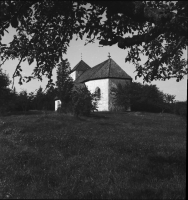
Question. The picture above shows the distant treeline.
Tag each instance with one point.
(77, 101)
(145, 98)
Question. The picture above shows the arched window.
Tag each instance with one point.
(98, 92)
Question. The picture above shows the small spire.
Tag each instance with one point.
(109, 55)
(81, 56)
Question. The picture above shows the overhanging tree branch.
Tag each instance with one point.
(170, 54)
(166, 55)
(135, 40)
(152, 23)
(34, 37)
(137, 11)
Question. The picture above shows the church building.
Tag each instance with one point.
(101, 78)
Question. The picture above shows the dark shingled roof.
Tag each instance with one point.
(107, 69)
(56, 98)
(81, 66)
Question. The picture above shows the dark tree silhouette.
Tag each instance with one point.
(143, 98)
(64, 82)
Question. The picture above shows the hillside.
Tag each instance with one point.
(108, 155)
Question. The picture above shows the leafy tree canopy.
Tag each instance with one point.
(156, 29)
(6, 94)
(4, 80)
(64, 82)
(142, 97)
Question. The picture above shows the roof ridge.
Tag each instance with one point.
(109, 68)
(81, 74)
(100, 66)
(93, 70)
(76, 65)
(122, 69)
(81, 61)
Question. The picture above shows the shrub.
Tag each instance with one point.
(180, 108)
(66, 108)
(121, 96)
(144, 98)
(83, 101)
(64, 82)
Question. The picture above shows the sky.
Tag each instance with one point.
(92, 54)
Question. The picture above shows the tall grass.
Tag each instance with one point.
(108, 155)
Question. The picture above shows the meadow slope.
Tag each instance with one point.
(108, 155)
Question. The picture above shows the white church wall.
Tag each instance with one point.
(103, 85)
(73, 75)
(76, 74)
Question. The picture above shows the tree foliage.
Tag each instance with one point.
(23, 101)
(155, 29)
(180, 108)
(4, 81)
(50, 95)
(83, 101)
(38, 99)
(7, 95)
(64, 82)
(42, 100)
(122, 96)
(143, 98)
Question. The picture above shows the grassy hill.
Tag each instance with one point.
(108, 155)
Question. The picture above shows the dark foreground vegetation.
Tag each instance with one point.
(132, 155)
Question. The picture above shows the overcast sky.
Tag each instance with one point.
(92, 54)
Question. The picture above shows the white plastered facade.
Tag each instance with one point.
(103, 84)
(73, 75)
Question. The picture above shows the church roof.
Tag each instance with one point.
(107, 69)
(56, 98)
(81, 66)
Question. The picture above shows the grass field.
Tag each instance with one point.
(108, 155)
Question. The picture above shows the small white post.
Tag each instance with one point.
(57, 104)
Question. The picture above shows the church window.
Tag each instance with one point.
(98, 92)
